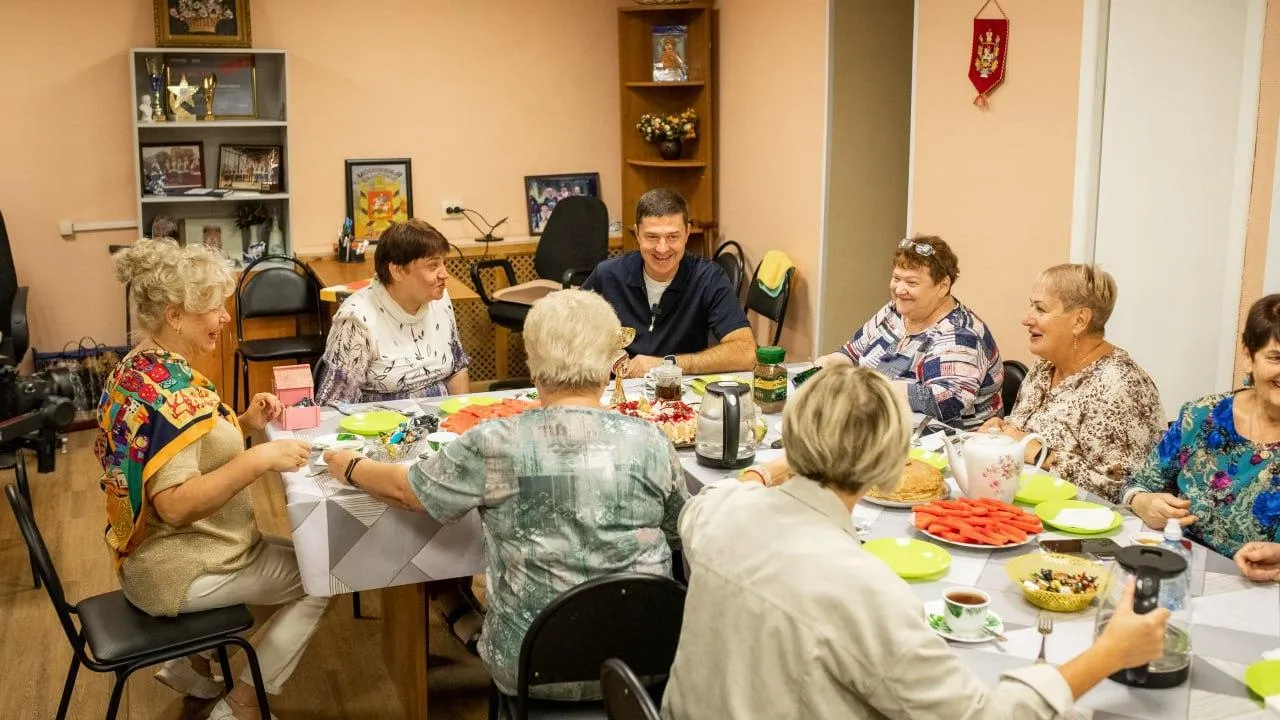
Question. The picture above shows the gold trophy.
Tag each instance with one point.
(626, 336)
(182, 95)
(155, 78)
(208, 85)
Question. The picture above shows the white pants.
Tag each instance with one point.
(273, 579)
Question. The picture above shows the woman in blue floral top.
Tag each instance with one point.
(1217, 470)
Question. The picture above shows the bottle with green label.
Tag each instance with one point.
(769, 388)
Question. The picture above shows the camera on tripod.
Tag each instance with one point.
(33, 408)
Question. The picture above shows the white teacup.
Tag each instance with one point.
(1150, 539)
(437, 440)
(966, 609)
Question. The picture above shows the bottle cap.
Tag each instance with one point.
(770, 355)
(1173, 529)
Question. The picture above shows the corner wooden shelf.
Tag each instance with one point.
(692, 176)
(233, 197)
(668, 163)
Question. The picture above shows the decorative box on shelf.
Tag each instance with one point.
(293, 386)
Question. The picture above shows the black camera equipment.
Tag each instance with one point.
(33, 408)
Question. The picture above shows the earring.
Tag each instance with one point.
(1075, 344)
(1248, 379)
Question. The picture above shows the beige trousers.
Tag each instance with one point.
(273, 579)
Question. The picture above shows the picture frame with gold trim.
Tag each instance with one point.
(202, 23)
(379, 192)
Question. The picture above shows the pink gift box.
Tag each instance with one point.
(292, 384)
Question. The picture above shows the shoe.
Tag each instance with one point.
(472, 643)
(222, 711)
(181, 677)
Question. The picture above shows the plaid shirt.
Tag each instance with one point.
(953, 368)
(565, 495)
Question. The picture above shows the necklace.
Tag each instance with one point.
(1061, 374)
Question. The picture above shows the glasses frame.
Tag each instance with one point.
(921, 249)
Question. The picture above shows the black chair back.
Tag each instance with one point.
(576, 238)
(290, 288)
(773, 308)
(625, 698)
(13, 301)
(635, 617)
(1014, 373)
(730, 258)
(43, 564)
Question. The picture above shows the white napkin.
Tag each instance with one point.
(1085, 518)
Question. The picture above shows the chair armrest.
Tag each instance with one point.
(574, 278)
(477, 280)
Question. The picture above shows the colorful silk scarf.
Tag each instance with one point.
(154, 405)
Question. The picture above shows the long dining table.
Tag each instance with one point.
(347, 541)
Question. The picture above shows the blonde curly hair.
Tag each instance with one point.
(160, 274)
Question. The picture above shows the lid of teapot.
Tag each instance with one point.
(728, 387)
(1148, 559)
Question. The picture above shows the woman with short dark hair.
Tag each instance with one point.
(397, 338)
(1217, 470)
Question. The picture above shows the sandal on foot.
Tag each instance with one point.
(472, 644)
(223, 711)
(181, 677)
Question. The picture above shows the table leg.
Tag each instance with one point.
(404, 645)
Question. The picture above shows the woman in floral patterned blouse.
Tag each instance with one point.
(1217, 471)
(1098, 411)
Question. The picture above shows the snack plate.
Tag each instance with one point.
(900, 504)
(978, 546)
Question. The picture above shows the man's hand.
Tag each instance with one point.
(640, 365)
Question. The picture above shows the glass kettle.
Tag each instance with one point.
(1162, 580)
(726, 426)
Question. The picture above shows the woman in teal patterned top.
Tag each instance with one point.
(566, 493)
(1217, 470)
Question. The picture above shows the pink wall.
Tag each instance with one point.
(997, 185)
(479, 94)
(772, 121)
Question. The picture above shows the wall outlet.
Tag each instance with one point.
(455, 206)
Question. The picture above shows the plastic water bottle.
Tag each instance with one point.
(1171, 595)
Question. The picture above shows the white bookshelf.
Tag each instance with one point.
(268, 126)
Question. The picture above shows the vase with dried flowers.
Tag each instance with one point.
(669, 131)
(250, 217)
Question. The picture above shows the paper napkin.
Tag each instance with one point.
(1085, 518)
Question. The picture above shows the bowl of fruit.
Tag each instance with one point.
(1062, 583)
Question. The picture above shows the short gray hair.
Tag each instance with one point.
(571, 338)
(1083, 286)
(847, 429)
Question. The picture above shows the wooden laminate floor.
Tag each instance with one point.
(341, 676)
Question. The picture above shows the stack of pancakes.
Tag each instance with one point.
(921, 482)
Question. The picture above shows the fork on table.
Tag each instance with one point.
(1044, 626)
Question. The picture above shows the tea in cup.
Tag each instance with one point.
(1150, 539)
(966, 609)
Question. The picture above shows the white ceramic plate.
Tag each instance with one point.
(946, 495)
(934, 614)
(977, 546)
(331, 442)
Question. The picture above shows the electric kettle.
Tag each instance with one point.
(726, 426)
(1162, 580)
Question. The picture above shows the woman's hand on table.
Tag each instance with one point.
(1130, 639)
(1259, 561)
(282, 455)
(1156, 509)
(264, 408)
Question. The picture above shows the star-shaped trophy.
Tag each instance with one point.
(183, 94)
(626, 336)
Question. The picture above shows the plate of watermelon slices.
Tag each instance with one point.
(986, 523)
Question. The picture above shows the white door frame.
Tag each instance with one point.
(1271, 271)
(1084, 215)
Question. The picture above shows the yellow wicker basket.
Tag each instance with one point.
(1023, 566)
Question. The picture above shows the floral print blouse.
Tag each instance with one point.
(1100, 422)
(1233, 483)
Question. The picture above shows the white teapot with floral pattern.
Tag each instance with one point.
(991, 466)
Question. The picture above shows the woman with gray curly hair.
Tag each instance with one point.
(566, 493)
(780, 581)
(176, 476)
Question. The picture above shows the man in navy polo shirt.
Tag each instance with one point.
(676, 303)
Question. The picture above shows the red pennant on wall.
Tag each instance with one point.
(990, 54)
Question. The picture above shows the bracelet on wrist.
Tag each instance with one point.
(351, 466)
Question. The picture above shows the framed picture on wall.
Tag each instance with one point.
(171, 166)
(542, 192)
(202, 23)
(236, 94)
(251, 167)
(379, 192)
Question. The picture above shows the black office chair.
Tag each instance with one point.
(625, 697)
(13, 304)
(1014, 373)
(287, 287)
(733, 263)
(634, 617)
(511, 384)
(767, 306)
(122, 639)
(575, 240)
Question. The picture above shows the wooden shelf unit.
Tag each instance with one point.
(642, 167)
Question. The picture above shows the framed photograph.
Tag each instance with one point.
(202, 23)
(219, 233)
(236, 96)
(669, 63)
(379, 192)
(542, 192)
(251, 167)
(179, 166)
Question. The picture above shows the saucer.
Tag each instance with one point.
(934, 615)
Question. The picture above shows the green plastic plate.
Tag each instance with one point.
(1037, 486)
(454, 404)
(1047, 511)
(374, 422)
(928, 457)
(1263, 678)
(910, 558)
